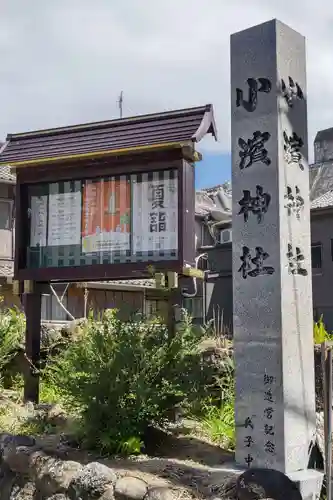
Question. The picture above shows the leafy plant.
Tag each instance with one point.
(320, 333)
(121, 377)
(48, 391)
(12, 326)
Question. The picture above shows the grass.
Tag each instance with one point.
(218, 422)
(218, 425)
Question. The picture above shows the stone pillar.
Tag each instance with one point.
(272, 291)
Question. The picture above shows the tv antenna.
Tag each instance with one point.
(120, 104)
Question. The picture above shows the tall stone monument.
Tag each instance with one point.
(272, 291)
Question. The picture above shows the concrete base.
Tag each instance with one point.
(309, 482)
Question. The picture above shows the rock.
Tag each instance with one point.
(7, 440)
(43, 407)
(7, 482)
(57, 416)
(30, 409)
(26, 491)
(162, 493)
(16, 451)
(129, 487)
(37, 463)
(108, 494)
(50, 335)
(40, 412)
(56, 475)
(91, 482)
(266, 483)
(50, 443)
(228, 489)
(18, 458)
(8, 395)
(59, 496)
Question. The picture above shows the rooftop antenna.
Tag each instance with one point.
(120, 104)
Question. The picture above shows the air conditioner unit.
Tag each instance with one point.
(225, 236)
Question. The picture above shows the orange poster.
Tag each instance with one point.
(106, 216)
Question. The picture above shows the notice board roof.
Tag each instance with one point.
(121, 136)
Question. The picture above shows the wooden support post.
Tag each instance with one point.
(33, 303)
(174, 304)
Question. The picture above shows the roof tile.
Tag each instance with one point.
(323, 201)
(147, 283)
(6, 175)
(178, 126)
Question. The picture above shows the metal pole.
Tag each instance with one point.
(120, 103)
(329, 424)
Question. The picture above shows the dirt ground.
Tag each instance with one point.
(179, 459)
(181, 456)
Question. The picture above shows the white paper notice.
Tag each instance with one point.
(64, 219)
(38, 221)
(155, 215)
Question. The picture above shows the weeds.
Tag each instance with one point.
(320, 334)
(218, 422)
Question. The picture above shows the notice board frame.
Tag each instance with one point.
(94, 169)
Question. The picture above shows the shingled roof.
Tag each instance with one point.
(323, 201)
(321, 185)
(157, 130)
(324, 135)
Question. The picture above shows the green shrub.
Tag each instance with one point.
(12, 326)
(320, 333)
(121, 377)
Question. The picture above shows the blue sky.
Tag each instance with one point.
(215, 168)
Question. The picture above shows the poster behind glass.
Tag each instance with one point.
(106, 221)
(155, 217)
(106, 214)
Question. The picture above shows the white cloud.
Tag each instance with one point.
(65, 61)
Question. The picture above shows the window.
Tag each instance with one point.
(316, 255)
(5, 214)
(6, 232)
(194, 306)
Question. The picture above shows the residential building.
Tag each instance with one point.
(7, 226)
(213, 243)
(129, 297)
(321, 193)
